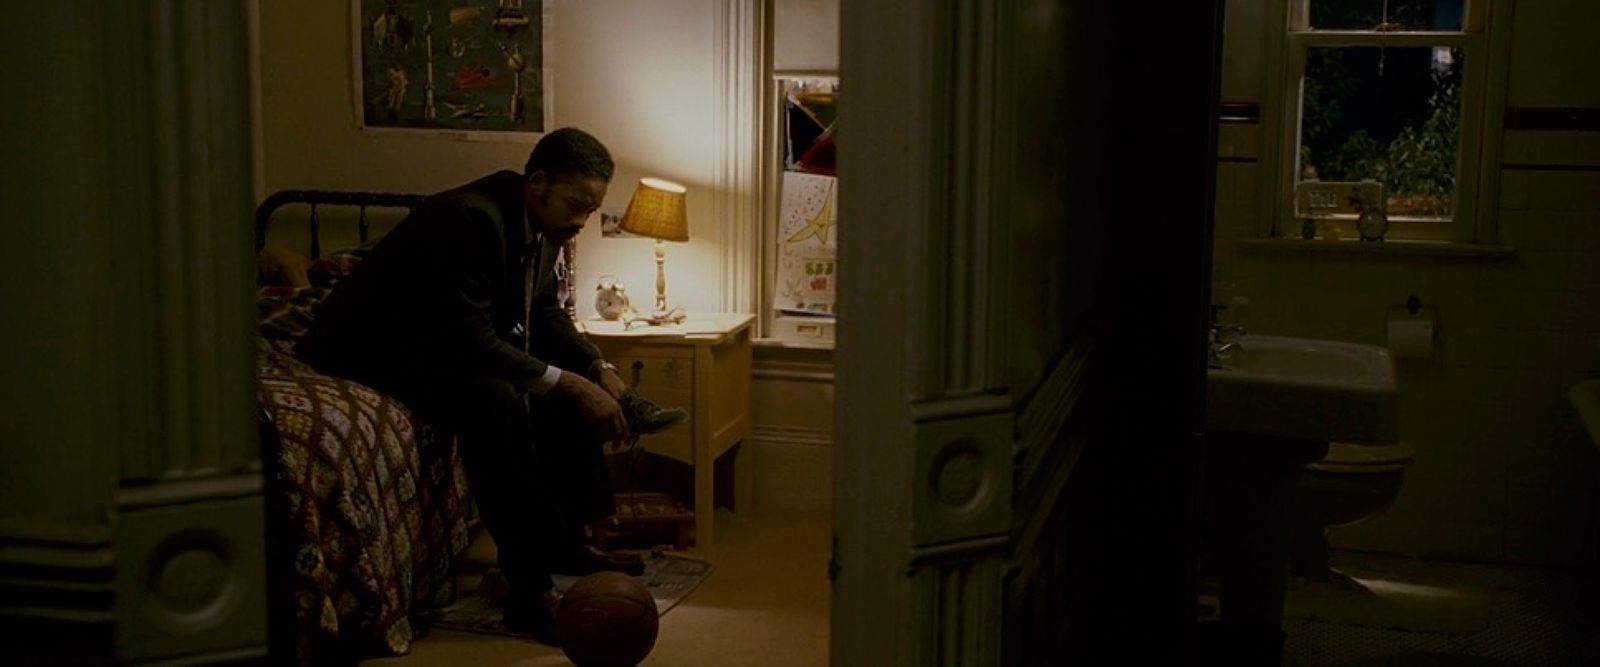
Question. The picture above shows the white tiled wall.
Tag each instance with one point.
(1503, 469)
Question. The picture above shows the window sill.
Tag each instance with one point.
(801, 332)
(1355, 248)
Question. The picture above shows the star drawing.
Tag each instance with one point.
(818, 225)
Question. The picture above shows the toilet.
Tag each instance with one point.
(1350, 484)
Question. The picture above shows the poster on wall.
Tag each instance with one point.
(807, 244)
(474, 68)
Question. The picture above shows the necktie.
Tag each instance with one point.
(530, 263)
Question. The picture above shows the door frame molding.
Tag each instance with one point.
(925, 424)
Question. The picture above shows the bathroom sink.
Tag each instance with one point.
(1585, 397)
(1304, 388)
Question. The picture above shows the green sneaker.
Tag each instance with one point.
(645, 417)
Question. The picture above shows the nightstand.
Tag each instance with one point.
(702, 365)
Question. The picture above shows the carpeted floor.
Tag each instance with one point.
(766, 606)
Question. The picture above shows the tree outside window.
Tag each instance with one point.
(1390, 91)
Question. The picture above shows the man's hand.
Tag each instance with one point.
(597, 408)
(612, 383)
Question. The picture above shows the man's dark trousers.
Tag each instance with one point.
(537, 478)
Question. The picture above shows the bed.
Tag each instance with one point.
(369, 505)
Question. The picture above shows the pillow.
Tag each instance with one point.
(285, 313)
(328, 271)
(281, 267)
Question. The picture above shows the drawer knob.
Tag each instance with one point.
(638, 371)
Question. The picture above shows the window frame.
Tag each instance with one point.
(1484, 45)
(775, 327)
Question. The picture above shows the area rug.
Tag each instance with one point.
(1386, 601)
(669, 577)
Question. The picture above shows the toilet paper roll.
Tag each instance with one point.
(1411, 336)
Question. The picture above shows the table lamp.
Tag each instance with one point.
(657, 210)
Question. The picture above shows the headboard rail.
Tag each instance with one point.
(566, 269)
(360, 200)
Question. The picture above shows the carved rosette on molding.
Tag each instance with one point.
(191, 579)
(961, 519)
(963, 481)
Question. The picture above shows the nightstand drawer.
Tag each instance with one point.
(669, 381)
(658, 378)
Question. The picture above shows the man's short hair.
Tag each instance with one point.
(570, 152)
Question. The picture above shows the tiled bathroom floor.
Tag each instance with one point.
(1534, 617)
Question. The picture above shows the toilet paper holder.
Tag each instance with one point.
(1416, 313)
(1414, 306)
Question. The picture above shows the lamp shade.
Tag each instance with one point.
(657, 210)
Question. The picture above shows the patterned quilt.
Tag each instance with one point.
(378, 504)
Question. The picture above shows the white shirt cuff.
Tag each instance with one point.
(546, 382)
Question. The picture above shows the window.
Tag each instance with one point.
(801, 241)
(1390, 92)
(799, 231)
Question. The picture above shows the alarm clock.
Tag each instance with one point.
(610, 298)
(1372, 224)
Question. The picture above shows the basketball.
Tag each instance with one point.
(607, 619)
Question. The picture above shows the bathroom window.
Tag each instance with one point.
(1392, 92)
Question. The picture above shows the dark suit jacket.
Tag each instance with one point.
(440, 295)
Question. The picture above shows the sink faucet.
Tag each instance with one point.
(1218, 340)
(1218, 349)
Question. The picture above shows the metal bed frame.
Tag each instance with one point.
(363, 201)
(360, 200)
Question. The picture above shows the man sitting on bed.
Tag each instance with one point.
(454, 314)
